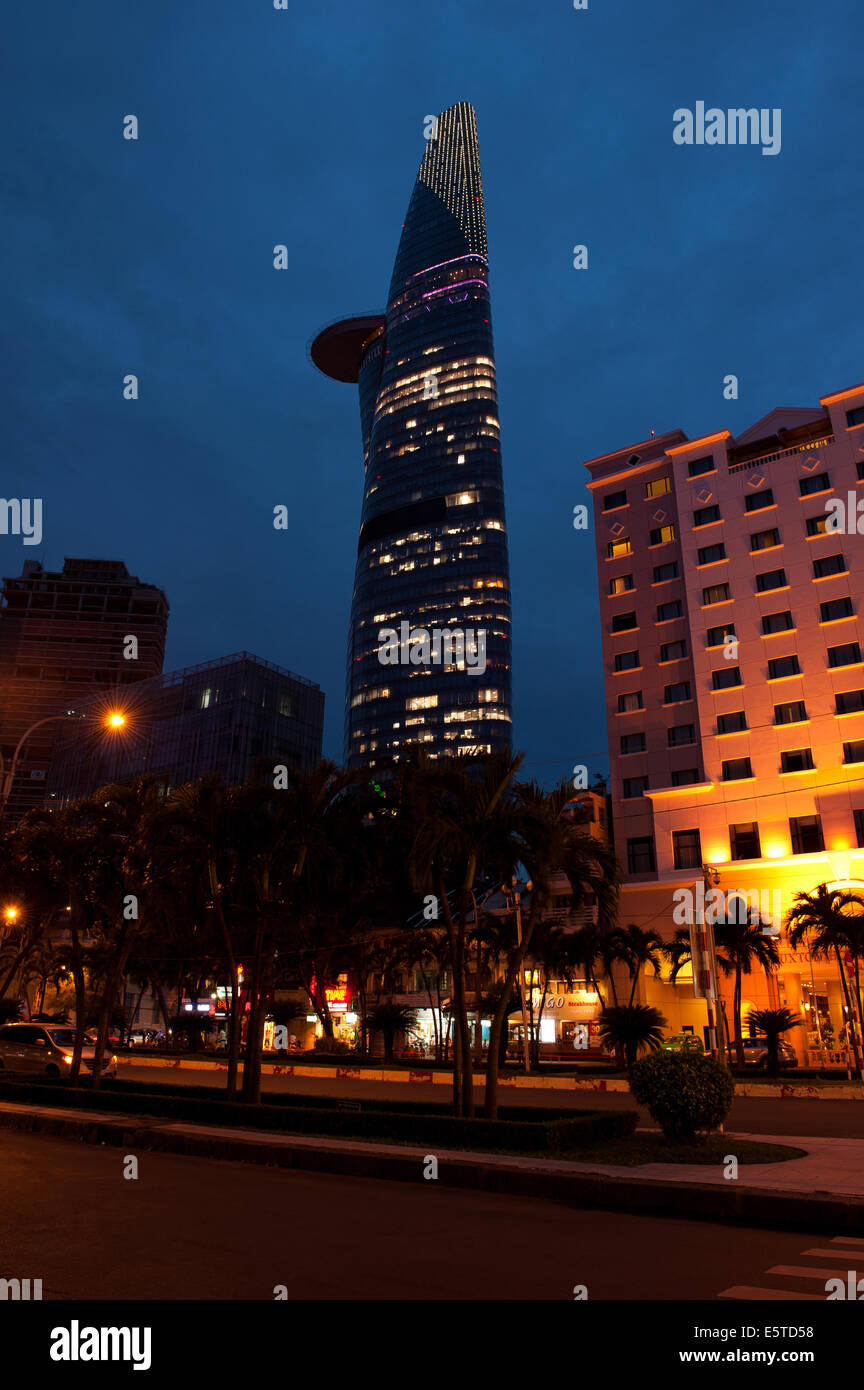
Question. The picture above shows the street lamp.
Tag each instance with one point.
(115, 720)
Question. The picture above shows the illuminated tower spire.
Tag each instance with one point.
(432, 555)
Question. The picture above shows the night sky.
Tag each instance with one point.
(305, 127)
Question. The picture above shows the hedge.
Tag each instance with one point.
(536, 1134)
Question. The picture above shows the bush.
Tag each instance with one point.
(687, 1094)
(332, 1046)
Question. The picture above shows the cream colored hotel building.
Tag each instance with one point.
(733, 652)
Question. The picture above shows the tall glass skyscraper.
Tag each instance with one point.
(429, 645)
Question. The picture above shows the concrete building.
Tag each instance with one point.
(732, 648)
(219, 716)
(64, 635)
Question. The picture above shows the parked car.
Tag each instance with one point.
(144, 1037)
(756, 1054)
(682, 1042)
(47, 1048)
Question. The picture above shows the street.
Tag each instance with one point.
(839, 1119)
(190, 1228)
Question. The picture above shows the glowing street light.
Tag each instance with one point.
(116, 720)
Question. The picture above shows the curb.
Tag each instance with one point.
(817, 1213)
(598, 1084)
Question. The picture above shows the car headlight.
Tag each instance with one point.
(68, 1058)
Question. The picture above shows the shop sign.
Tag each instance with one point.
(581, 1005)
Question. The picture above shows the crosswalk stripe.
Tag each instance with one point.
(802, 1272)
(832, 1254)
(754, 1294)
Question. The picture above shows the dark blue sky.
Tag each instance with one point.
(305, 127)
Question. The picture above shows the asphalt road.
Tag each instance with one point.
(190, 1228)
(839, 1119)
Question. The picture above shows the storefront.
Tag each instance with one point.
(568, 1018)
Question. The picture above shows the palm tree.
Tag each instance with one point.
(638, 948)
(390, 1019)
(548, 843)
(631, 1029)
(740, 946)
(822, 920)
(466, 827)
(773, 1023)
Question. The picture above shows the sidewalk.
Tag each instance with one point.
(823, 1191)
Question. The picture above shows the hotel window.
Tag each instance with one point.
(726, 677)
(860, 468)
(673, 651)
(635, 786)
(422, 702)
(664, 572)
(849, 654)
(719, 636)
(685, 777)
(696, 467)
(854, 752)
(622, 584)
(632, 743)
(640, 855)
(764, 540)
(817, 482)
(744, 841)
(758, 501)
(797, 760)
(667, 611)
(829, 564)
(681, 734)
(613, 500)
(632, 700)
(836, 608)
(715, 593)
(710, 554)
(677, 693)
(806, 834)
(735, 769)
(703, 516)
(859, 827)
(792, 712)
(777, 622)
(781, 666)
(770, 579)
(657, 487)
(619, 547)
(661, 535)
(732, 723)
(855, 417)
(626, 661)
(622, 621)
(686, 849)
(849, 701)
(818, 525)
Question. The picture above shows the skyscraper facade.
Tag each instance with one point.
(63, 636)
(429, 644)
(733, 651)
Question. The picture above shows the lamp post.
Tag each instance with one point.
(115, 721)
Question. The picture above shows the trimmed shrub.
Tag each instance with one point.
(687, 1093)
(537, 1135)
(332, 1047)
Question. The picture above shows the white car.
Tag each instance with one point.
(47, 1048)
